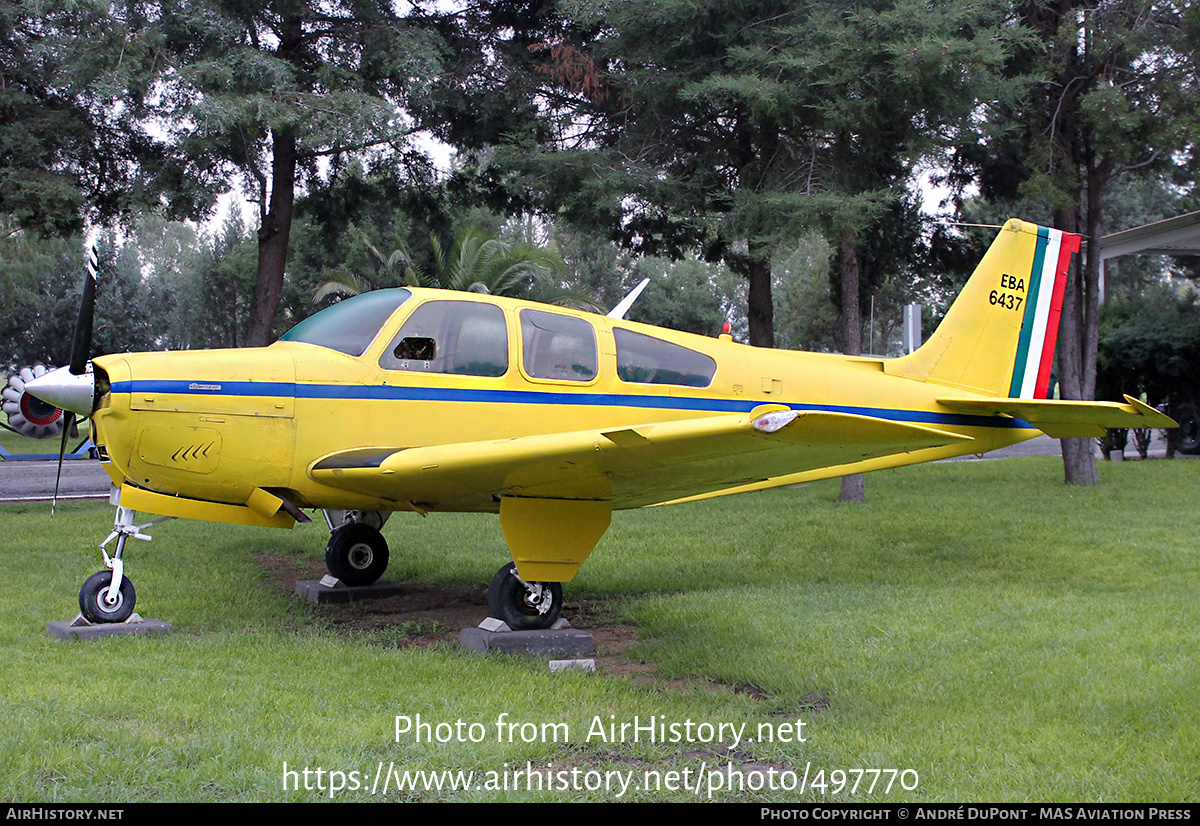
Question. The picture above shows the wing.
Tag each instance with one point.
(628, 466)
(1065, 419)
(1060, 419)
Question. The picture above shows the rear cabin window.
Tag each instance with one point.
(462, 338)
(558, 347)
(643, 359)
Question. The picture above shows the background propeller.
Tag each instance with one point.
(81, 347)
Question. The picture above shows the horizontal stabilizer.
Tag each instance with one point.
(1064, 419)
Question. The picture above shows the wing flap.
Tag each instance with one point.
(630, 466)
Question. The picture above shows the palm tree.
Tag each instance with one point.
(397, 269)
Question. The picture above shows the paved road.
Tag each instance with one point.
(1045, 446)
(30, 481)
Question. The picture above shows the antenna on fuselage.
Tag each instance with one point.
(625, 303)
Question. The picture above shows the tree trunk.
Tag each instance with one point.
(851, 311)
(273, 239)
(1079, 457)
(853, 487)
(761, 308)
(276, 225)
(1099, 176)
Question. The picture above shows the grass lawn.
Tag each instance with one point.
(980, 626)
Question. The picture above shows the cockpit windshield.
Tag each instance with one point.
(350, 325)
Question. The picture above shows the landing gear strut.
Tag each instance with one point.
(525, 606)
(108, 596)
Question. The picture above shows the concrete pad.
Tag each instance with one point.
(332, 591)
(80, 628)
(560, 642)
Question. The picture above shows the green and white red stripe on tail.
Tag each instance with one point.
(1043, 307)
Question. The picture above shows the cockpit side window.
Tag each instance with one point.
(350, 325)
(463, 338)
(643, 359)
(558, 347)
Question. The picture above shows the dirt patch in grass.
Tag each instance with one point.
(286, 571)
(425, 615)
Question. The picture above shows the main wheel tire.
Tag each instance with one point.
(511, 601)
(357, 554)
(95, 608)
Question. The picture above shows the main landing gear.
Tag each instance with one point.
(357, 553)
(525, 606)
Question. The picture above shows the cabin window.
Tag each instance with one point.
(463, 338)
(559, 347)
(643, 359)
(350, 325)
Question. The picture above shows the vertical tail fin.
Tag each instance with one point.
(999, 335)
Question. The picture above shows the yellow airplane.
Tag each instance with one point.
(424, 400)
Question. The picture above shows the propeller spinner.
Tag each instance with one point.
(62, 388)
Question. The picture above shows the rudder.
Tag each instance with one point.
(999, 335)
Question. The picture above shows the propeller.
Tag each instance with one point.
(81, 346)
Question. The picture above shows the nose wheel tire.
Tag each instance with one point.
(98, 606)
(525, 606)
(357, 554)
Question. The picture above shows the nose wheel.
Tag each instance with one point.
(108, 596)
(99, 602)
(357, 554)
(525, 606)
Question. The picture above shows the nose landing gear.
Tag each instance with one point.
(108, 596)
(99, 604)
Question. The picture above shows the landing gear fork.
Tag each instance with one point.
(105, 597)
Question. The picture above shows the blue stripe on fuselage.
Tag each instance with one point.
(433, 394)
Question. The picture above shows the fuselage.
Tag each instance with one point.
(448, 368)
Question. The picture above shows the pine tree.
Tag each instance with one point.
(1108, 94)
(726, 129)
(267, 89)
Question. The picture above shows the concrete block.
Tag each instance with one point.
(551, 643)
(332, 591)
(80, 628)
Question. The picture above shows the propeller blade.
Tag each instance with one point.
(68, 421)
(81, 345)
(81, 350)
